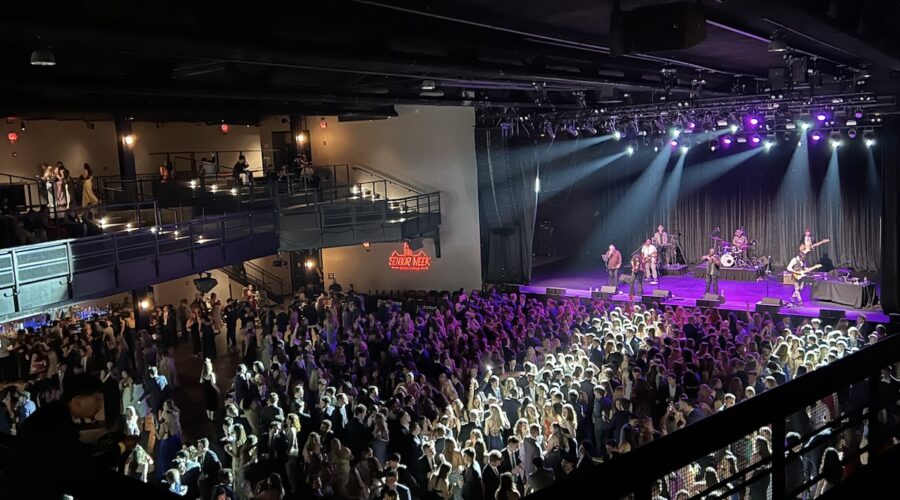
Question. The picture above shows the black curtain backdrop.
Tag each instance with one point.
(594, 194)
(507, 204)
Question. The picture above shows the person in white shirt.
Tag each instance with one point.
(661, 241)
(649, 255)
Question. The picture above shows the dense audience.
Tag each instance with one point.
(478, 395)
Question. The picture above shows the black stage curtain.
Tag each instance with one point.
(507, 205)
(595, 194)
(890, 269)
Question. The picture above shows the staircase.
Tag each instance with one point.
(267, 283)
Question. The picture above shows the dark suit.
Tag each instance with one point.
(473, 489)
(268, 415)
(357, 436)
(491, 481)
(403, 493)
(540, 479)
(209, 472)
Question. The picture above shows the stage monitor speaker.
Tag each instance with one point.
(606, 292)
(769, 304)
(556, 292)
(831, 314)
(710, 300)
(661, 294)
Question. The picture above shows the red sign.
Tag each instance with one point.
(409, 260)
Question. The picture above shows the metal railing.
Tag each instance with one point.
(844, 415)
(36, 276)
(250, 273)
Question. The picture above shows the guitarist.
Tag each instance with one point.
(798, 268)
(809, 242)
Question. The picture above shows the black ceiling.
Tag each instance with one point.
(204, 61)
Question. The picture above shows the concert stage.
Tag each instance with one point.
(686, 289)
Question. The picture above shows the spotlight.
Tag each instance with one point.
(629, 150)
(821, 117)
(768, 145)
(851, 133)
(42, 57)
(617, 135)
(675, 132)
(869, 137)
(550, 132)
(571, 130)
(804, 125)
(721, 122)
(656, 149)
(858, 114)
(674, 143)
(727, 140)
(835, 144)
(713, 144)
(816, 136)
(835, 139)
(754, 121)
(755, 139)
(684, 150)
(128, 140)
(734, 128)
(428, 85)
(589, 129)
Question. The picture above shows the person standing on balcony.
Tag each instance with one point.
(240, 169)
(88, 197)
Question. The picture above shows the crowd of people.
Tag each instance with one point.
(479, 395)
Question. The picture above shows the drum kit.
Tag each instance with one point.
(738, 255)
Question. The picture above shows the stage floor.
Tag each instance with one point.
(686, 289)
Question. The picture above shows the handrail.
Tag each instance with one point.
(636, 470)
(36, 178)
(387, 178)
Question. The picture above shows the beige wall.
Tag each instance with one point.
(74, 143)
(182, 136)
(431, 148)
(267, 125)
(49, 141)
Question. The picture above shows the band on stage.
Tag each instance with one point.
(662, 250)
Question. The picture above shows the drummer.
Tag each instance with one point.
(739, 240)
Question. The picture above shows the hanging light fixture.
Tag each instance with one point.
(42, 56)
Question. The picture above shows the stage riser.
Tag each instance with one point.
(730, 273)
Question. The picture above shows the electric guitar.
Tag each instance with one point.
(798, 275)
(814, 245)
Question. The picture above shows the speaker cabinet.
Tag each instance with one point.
(710, 300)
(769, 304)
(831, 314)
(606, 292)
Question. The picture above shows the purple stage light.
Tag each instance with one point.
(821, 117)
(754, 120)
(691, 125)
(673, 142)
(816, 136)
(727, 141)
(755, 139)
(858, 114)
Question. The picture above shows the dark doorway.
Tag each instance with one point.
(283, 149)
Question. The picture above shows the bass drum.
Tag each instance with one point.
(727, 260)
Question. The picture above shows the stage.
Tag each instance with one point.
(686, 289)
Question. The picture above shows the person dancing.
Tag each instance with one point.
(712, 271)
(613, 260)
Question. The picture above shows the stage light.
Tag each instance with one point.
(734, 128)
(233, 191)
(684, 150)
(309, 263)
(589, 129)
(428, 85)
(821, 117)
(629, 150)
(835, 144)
(128, 140)
(721, 122)
(617, 135)
(858, 113)
(571, 130)
(537, 184)
(656, 149)
(870, 143)
(816, 136)
(713, 144)
(674, 143)
(676, 132)
(42, 57)
(768, 145)
(193, 183)
(804, 125)
(754, 121)
(755, 139)
(727, 140)
(851, 133)
(869, 136)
